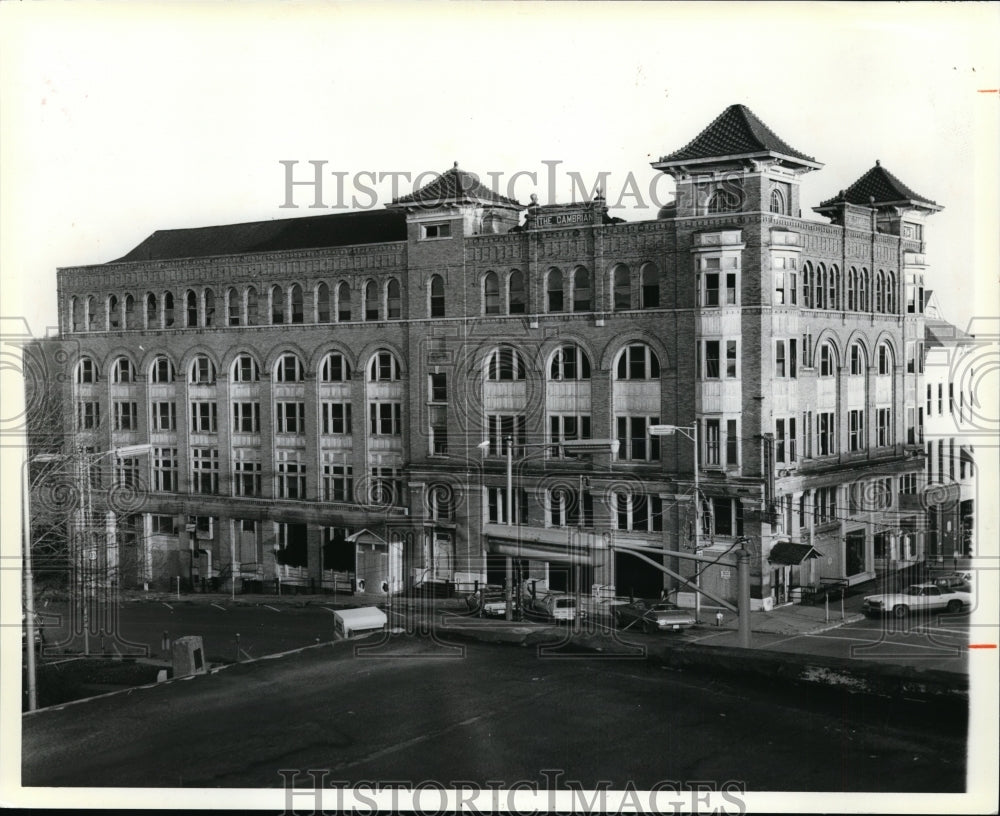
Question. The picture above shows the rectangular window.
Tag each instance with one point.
(246, 417)
(126, 414)
(165, 469)
(385, 418)
(940, 398)
(204, 470)
(825, 434)
(712, 359)
(883, 418)
(732, 444)
(807, 360)
(501, 426)
(779, 440)
(88, 415)
(496, 505)
(563, 427)
(634, 442)
(731, 289)
(290, 417)
(570, 508)
(727, 516)
(792, 358)
(204, 417)
(338, 482)
(439, 430)
(336, 418)
(291, 477)
(385, 487)
(856, 430)
(162, 525)
(438, 387)
(638, 512)
(246, 473)
(779, 358)
(793, 288)
(164, 416)
(712, 443)
(731, 358)
(779, 287)
(712, 289)
(436, 231)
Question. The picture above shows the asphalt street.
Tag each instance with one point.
(416, 710)
(938, 641)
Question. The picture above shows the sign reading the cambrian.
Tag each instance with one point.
(564, 216)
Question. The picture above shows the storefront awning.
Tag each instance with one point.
(786, 552)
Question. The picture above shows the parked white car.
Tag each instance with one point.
(927, 597)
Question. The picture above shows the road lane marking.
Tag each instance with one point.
(217, 606)
(267, 606)
(901, 644)
(168, 606)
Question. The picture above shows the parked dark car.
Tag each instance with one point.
(652, 616)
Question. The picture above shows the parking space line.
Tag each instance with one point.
(168, 606)
(218, 606)
(273, 609)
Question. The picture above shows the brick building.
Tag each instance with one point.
(326, 398)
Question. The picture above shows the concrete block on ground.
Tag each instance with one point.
(188, 656)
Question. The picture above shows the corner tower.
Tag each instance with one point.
(737, 164)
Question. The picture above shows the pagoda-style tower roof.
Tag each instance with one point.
(455, 187)
(879, 188)
(737, 134)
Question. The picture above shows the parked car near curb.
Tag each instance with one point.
(554, 606)
(488, 601)
(954, 580)
(653, 617)
(926, 597)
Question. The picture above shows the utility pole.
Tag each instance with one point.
(509, 564)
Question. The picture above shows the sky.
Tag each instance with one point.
(120, 119)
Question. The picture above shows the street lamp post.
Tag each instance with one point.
(692, 434)
(573, 447)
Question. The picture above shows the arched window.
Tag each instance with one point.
(879, 305)
(858, 360)
(168, 310)
(371, 301)
(778, 202)
(86, 371)
(245, 369)
(890, 292)
(820, 280)
(152, 315)
(233, 310)
(335, 368)
(343, 302)
(277, 306)
(288, 369)
(91, 314)
(383, 367)
(885, 361)
(863, 290)
(554, 290)
(129, 321)
(621, 282)
(637, 362)
(827, 360)
(650, 283)
(491, 294)
(161, 370)
(190, 309)
(569, 363)
(253, 315)
(852, 289)
(582, 297)
(807, 285)
(122, 371)
(76, 313)
(298, 312)
(723, 201)
(437, 296)
(322, 303)
(517, 303)
(393, 300)
(209, 307)
(114, 313)
(202, 371)
(505, 363)
(833, 287)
